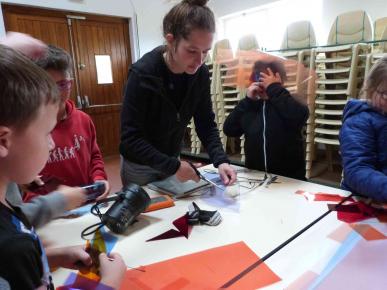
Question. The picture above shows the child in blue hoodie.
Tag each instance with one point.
(363, 137)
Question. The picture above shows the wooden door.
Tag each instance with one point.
(84, 36)
(51, 29)
(107, 38)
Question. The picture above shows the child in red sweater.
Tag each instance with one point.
(76, 159)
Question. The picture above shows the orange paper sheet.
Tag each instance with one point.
(208, 269)
(368, 232)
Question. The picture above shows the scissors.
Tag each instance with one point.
(201, 176)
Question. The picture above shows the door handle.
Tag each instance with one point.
(81, 66)
(86, 101)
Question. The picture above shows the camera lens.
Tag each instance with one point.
(133, 201)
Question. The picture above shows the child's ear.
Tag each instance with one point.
(5, 134)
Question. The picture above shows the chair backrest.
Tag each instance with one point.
(379, 28)
(299, 35)
(222, 50)
(383, 45)
(248, 42)
(350, 27)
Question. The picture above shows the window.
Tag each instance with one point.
(269, 22)
(104, 69)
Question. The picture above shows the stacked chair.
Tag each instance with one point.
(246, 45)
(339, 74)
(296, 45)
(196, 145)
(380, 33)
(225, 89)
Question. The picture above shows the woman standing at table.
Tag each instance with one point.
(165, 89)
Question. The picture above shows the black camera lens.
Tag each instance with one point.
(133, 201)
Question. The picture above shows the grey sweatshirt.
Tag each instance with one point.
(39, 210)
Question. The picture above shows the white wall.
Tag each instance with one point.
(111, 7)
(150, 14)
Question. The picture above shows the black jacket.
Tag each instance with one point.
(285, 118)
(152, 129)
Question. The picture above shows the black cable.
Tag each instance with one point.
(96, 211)
(271, 253)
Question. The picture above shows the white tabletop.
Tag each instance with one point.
(262, 218)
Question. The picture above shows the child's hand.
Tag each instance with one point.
(74, 196)
(107, 189)
(31, 47)
(112, 270)
(69, 257)
(255, 91)
(266, 80)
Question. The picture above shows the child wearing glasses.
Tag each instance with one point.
(76, 159)
(363, 137)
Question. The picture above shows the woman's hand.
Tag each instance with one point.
(227, 173)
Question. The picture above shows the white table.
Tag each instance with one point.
(266, 218)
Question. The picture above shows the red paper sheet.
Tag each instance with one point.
(354, 212)
(208, 269)
(321, 196)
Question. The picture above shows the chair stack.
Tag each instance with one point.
(196, 145)
(246, 45)
(337, 75)
(226, 92)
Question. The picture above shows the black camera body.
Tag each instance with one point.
(132, 201)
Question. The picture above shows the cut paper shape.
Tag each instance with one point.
(302, 282)
(167, 235)
(320, 196)
(341, 233)
(217, 197)
(208, 269)
(183, 230)
(182, 225)
(364, 267)
(102, 242)
(368, 232)
(76, 282)
(346, 247)
(353, 212)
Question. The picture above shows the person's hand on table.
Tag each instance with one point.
(112, 270)
(74, 257)
(227, 173)
(186, 172)
(107, 189)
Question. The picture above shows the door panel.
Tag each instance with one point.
(83, 39)
(96, 38)
(50, 29)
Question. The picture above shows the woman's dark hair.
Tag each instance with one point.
(186, 16)
(262, 66)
